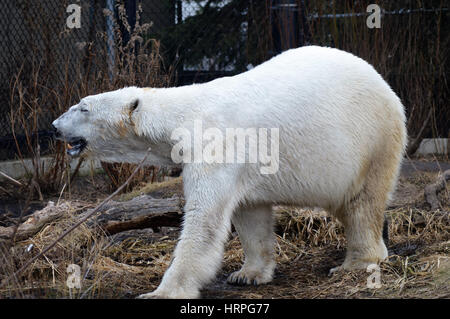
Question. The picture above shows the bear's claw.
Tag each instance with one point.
(243, 278)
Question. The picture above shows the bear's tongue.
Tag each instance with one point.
(76, 147)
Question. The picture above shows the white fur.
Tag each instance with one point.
(342, 136)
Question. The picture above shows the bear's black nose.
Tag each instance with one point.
(55, 131)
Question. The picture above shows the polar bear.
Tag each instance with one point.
(341, 140)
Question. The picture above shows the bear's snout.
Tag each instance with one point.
(55, 131)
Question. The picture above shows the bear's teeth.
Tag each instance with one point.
(69, 146)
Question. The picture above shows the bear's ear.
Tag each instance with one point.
(132, 106)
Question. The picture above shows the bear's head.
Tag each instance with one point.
(103, 126)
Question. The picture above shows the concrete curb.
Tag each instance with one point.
(16, 169)
(433, 146)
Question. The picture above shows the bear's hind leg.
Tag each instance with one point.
(254, 224)
(363, 219)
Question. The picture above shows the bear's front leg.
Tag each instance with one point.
(199, 252)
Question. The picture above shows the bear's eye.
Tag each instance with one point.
(84, 110)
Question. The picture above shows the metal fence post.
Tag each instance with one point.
(110, 36)
(285, 25)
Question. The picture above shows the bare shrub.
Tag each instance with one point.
(36, 100)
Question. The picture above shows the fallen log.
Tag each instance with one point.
(138, 213)
(431, 191)
(36, 221)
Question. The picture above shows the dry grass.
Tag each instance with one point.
(102, 276)
(309, 227)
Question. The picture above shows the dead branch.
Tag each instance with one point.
(414, 144)
(11, 179)
(431, 191)
(77, 168)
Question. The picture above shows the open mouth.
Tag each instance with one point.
(75, 146)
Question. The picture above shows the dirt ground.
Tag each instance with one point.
(309, 243)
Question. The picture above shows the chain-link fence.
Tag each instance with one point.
(39, 53)
(56, 51)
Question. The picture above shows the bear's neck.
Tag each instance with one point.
(167, 109)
